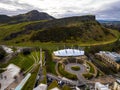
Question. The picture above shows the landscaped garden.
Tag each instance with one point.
(75, 68)
(61, 70)
(31, 81)
(50, 64)
(91, 71)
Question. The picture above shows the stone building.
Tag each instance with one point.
(110, 58)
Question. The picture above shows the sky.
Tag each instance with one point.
(103, 9)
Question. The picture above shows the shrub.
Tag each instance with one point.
(26, 51)
(88, 75)
(75, 68)
(2, 53)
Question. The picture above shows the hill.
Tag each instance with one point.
(4, 18)
(80, 29)
(33, 15)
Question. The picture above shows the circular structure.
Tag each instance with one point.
(69, 52)
(68, 68)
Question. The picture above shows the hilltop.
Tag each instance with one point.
(33, 15)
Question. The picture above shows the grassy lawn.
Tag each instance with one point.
(65, 87)
(64, 73)
(24, 62)
(88, 75)
(50, 64)
(31, 81)
(53, 85)
(44, 81)
(75, 68)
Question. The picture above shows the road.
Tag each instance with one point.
(77, 73)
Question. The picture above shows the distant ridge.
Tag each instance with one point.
(33, 15)
(110, 24)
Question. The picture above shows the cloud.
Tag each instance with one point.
(64, 8)
(111, 12)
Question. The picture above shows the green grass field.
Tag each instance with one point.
(31, 81)
(22, 61)
(53, 85)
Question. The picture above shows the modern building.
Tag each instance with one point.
(110, 58)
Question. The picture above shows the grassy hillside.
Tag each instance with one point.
(7, 29)
(83, 31)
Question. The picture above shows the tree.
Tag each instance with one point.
(2, 53)
(26, 51)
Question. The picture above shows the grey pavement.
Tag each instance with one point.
(77, 73)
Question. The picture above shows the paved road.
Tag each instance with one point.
(78, 73)
(65, 80)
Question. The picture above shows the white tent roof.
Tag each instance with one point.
(69, 52)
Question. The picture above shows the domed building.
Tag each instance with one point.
(68, 52)
(65, 54)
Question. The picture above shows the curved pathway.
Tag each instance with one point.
(78, 73)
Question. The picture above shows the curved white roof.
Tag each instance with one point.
(69, 52)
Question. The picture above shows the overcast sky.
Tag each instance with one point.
(103, 9)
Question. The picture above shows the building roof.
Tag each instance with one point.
(69, 52)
